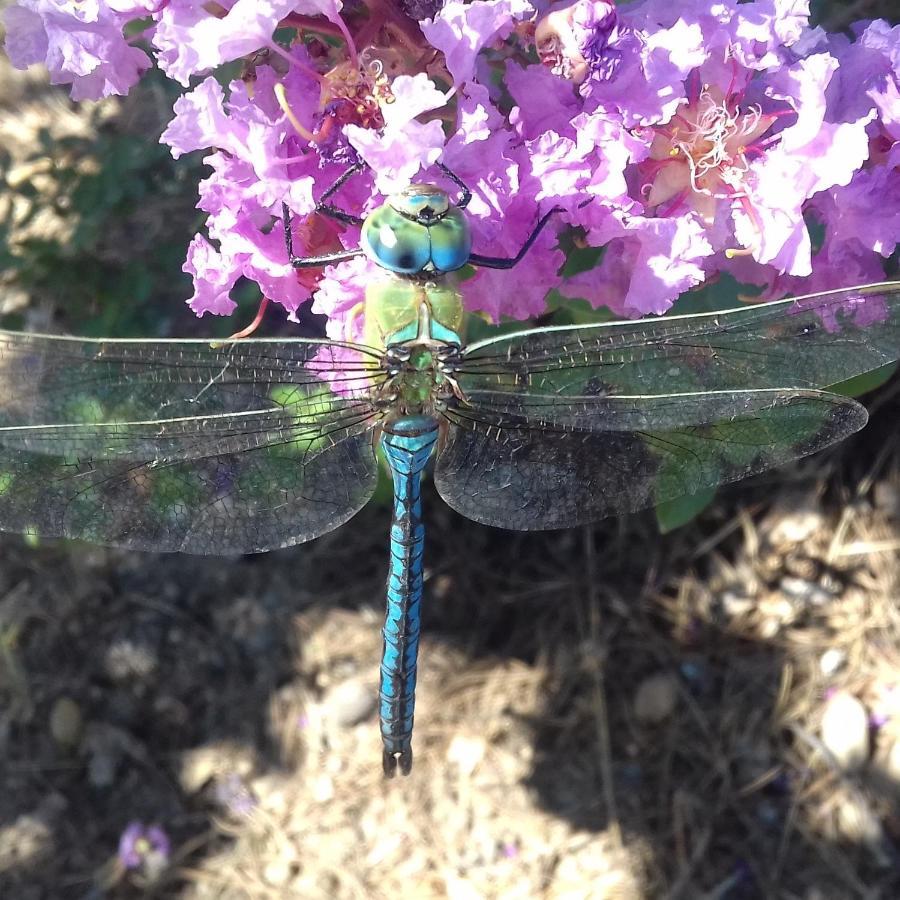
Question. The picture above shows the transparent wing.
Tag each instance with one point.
(519, 463)
(48, 380)
(806, 343)
(183, 445)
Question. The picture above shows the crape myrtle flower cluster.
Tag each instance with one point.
(688, 138)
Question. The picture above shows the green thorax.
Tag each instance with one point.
(418, 385)
(393, 310)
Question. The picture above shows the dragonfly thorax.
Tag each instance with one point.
(421, 376)
(417, 232)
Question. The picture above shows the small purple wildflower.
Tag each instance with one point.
(234, 795)
(144, 847)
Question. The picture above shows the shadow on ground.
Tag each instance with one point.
(604, 712)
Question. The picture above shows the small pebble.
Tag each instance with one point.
(105, 746)
(278, 872)
(126, 659)
(845, 731)
(797, 524)
(66, 722)
(886, 496)
(832, 660)
(858, 823)
(775, 613)
(323, 788)
(350, 703)
(655, 698)
(804, 592)
(200, 765)
(466, 752)
(736, 604)
(102, 769)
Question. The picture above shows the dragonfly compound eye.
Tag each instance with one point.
(395, 242)
(451, 241)
(415, 233)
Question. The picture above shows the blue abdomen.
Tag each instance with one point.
(408, 443)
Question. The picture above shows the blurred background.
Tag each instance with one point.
(627, 710)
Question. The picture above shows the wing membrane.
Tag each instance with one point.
(515, 470)
(57, 380)
(275, 495)
(182, 445)
(806, 343)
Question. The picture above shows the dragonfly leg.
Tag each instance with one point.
(466, 196)
(311, 262)
(330, 209)
(507, 262)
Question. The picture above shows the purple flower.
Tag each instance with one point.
(647, 263)
(397, 152)
(580, 40)
(685, 138)
(80, 43)
(144, 847)
(597, 31)
(462, 29)
(193, 38)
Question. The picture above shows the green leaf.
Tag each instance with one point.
(672, 514)
(868, 381)
(723, 292)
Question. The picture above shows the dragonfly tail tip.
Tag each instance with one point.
(391, 761)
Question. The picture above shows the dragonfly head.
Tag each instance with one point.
(418, 232)
(422, 203)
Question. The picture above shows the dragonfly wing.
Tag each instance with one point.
(180, 445)
(280, 490)
(522, 468)
(47, 380)
(805, 343)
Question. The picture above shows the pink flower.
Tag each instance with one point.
(82, 44)
(682, 139)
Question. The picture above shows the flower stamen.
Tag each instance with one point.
(703, 155)
(281, 97)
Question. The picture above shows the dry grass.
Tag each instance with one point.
(233, 704)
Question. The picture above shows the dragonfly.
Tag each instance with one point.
(256, 444)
